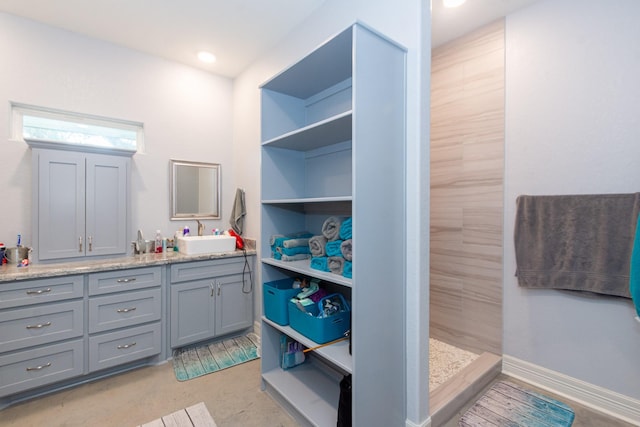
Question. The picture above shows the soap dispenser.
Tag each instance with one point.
(158, 241)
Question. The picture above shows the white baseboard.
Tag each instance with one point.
(597, 398)
(425, 423)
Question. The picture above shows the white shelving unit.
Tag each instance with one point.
(333, 132)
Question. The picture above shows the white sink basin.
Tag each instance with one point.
(193, 245)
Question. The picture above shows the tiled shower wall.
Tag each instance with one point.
(467, 158)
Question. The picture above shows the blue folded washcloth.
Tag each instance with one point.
(296, 250)
(634, 275)
(320, 263)
(277, 240)
(346, 269)
(332, 248)
(345, 229)
(276, 255)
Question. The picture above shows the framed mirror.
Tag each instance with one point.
(195, 190)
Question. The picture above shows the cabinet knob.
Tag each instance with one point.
(127, 280)
(218, 289)
(90, 243)
(80, 244)
(211, 287)
(125, 310)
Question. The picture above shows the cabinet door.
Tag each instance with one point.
(192, 312)
(61, 203)
(106, 204)
(234, 304)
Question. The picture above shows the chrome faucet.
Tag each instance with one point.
(200, 228)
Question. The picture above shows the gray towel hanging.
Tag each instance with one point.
(576, 242)
(238, 212)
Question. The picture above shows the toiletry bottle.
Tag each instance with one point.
(185, 230)
(158, 241)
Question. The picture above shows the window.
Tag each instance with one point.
(39, 124)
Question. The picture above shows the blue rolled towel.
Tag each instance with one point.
(345, 229)
(346, 269)
(634, 275)
(296, 250)
(320, 263)
(332, 248)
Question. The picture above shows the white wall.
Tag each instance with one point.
(572, 127)
(406, 22)
(186, 115)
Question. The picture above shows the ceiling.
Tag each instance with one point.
(236, 31)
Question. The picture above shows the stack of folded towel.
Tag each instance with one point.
(292, 247)
(332, 250)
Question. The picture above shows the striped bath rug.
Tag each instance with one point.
(507, 404)
(193, 362)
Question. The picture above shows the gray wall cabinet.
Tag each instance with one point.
(333, 143)
(80, 204)
(209, 299)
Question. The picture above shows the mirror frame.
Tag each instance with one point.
(175, 215)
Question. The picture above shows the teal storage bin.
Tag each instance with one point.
(320, 329)
(275, 296)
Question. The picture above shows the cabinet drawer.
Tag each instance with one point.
(124, 346)
(206, 269)
(127, 309)
(37, 367)
(40, 325)
(27, 292)
(124, 280)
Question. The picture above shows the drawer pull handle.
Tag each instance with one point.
(125, 310)
(37, 368)
(39, 325)
(125, 346)
(131, 279)
(39, 291)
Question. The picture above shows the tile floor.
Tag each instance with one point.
(233, 397)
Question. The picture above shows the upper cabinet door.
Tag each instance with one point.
(61, 204)
(106, 204)
(80, 204)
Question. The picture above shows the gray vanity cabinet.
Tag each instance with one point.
(80, 204)
(209, 299)
(41, 332)
(124, 316)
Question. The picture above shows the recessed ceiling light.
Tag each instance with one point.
(206, 57)
(452, 3)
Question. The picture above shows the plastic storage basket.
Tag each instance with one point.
(275, 296)
(321, 329)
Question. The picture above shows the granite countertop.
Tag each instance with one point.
(10, 273)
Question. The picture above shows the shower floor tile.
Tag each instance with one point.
(445, 361)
